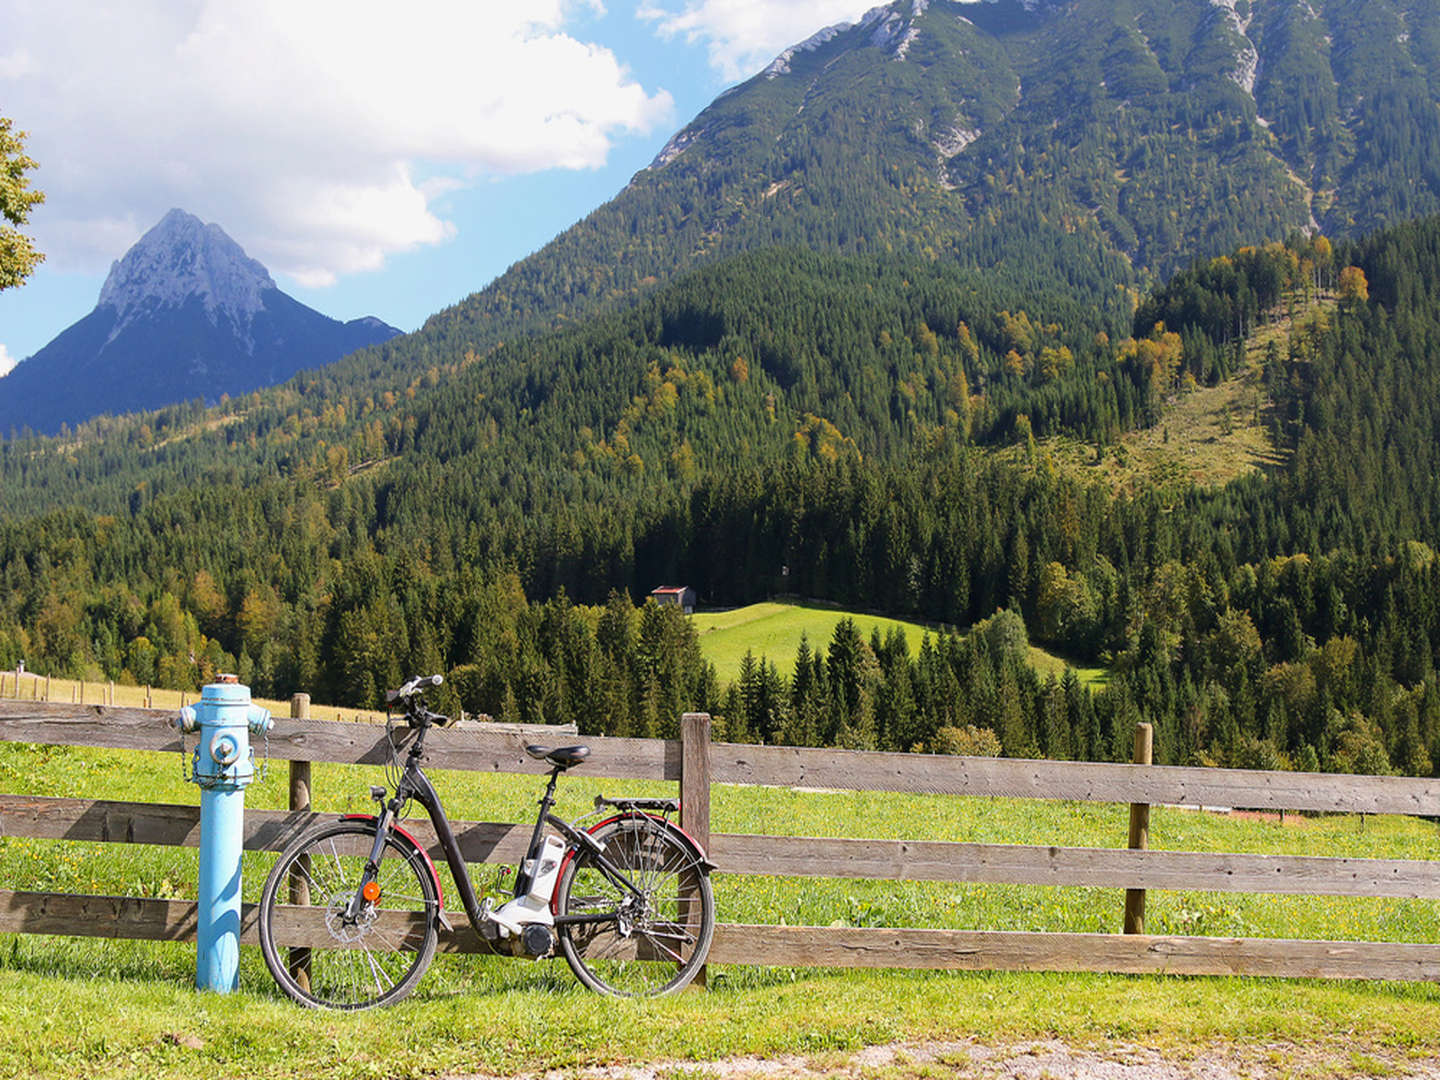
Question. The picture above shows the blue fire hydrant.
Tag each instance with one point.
(223, 766)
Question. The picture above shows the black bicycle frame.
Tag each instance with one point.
(414, 784)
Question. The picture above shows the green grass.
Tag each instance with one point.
(72, 1007)
(31, 687)
(773, 630)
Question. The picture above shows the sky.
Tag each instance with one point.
(380, 159)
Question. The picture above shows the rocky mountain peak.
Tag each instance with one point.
(184, 314)
(180, 258)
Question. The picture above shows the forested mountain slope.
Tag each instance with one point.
(816, 424)
(769, 356)
(1095, 144)
(1084, 148)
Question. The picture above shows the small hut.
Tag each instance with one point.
(682, 595)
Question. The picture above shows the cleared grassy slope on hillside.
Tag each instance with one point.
(773, 630)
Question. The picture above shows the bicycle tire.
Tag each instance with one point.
(320, 960)
(656, 945)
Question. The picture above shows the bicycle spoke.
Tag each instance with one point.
(650, 938)
(372, 959)
(664, 893)
(684, 937)
(377, 971)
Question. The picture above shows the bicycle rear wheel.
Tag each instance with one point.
(659, 936)
(323, 959)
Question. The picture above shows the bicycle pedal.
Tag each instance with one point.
(489, 929)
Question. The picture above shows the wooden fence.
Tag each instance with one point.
(694, 762)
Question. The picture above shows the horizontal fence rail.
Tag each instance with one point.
(98, 820)
(1077, 781)
(477, 750)
(136, 918)
(696, 764)
(473, 747)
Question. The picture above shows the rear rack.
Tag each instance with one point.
(664, 806)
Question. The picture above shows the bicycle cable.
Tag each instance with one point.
(394, 771)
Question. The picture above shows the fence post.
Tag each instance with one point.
(299, 958)
(695, 788)
(1139, 831)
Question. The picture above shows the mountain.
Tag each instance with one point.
(795, 421)
(1101, 144)
(185, 314)
(822, 347)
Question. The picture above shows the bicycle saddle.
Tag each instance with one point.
(564, 757)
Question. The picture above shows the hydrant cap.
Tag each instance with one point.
(223, 693)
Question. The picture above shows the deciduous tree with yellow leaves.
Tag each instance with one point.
(18, 256)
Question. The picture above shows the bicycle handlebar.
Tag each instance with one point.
(413, 687)
(416, 715)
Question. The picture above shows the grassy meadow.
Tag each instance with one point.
(72, 1007)
(27, 686)
(773, 630)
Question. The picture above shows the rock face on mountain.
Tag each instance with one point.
(184, 314)
(1103, 142)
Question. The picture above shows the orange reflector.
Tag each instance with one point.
(371, 891)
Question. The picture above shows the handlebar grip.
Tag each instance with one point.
(413, 687)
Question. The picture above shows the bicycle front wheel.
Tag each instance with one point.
(325, 958)
(643, 941)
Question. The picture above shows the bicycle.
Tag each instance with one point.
(626, 900)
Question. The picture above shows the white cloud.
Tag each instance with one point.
(7, 364)
(318, 134)
(742, 36)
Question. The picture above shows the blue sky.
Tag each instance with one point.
(377, 164)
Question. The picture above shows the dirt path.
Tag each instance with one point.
(1048, 1060)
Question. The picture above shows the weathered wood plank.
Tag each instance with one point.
(102, 820)
(127, 917)
(811, 946)
(852, 770)
(695, 776)
(980, 950)
(914, 860)
(472, 747)
(1134, 919)
(1017, 864)
(695, 804)
(732, 763)
(135, 918)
